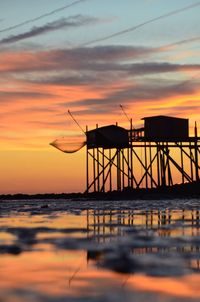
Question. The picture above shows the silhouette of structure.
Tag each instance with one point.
(106, 224)
(157, 155)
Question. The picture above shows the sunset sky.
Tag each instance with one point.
(88, 56)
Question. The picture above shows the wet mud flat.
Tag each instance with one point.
(98, 250)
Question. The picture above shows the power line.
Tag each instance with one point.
(189, 40)
(133, 28)
(42, 16)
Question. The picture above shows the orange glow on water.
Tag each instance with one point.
(186, 287)
(73, 272)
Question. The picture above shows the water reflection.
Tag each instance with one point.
(170, 234)
(99, 254)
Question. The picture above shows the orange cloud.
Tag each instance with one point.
(38, 87)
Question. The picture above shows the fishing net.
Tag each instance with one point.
(69, 144)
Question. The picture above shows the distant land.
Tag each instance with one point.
(187, 190)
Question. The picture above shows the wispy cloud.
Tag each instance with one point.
(74, 59)
(97, 59)
(156, 68)
(86, 66)
(138, 94)
(111, 74)
(13, 96)
(57, 10)
(70, 22)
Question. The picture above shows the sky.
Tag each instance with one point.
(88, 56)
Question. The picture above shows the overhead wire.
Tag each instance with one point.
(42, 16)
(133, 28)
(193, 39)
(184, 41)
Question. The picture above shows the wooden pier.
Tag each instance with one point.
(157, 155)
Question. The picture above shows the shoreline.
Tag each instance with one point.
(187, 190)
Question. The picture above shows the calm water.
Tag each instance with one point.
(99, 251)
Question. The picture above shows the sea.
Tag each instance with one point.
(78, 250)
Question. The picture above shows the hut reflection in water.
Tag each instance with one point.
(110, 225)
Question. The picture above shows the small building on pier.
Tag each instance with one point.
(107, 137)
(165, 128)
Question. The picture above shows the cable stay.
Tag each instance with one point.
(124, 112)
(73, 118)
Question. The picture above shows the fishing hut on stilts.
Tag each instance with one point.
(159, 154)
